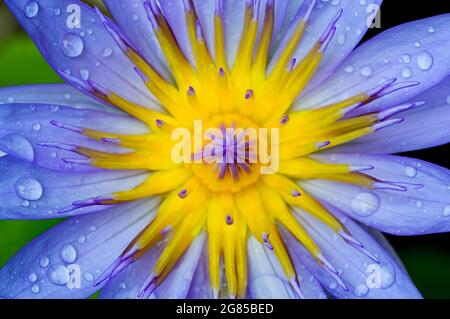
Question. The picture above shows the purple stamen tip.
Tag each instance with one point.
(159, 123)
(221, 72)
(285, 119)
(296, 193)
(191, 91)
(229, 220)
(249, 94)
(182, 194)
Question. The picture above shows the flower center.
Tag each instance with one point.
(228, 158)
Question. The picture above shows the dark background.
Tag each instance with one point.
(427, 258)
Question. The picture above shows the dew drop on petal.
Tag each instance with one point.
(407, 72)
(57, 11)
(84, 73)
(361, 290)
(35, 289)
(20, 146)
(72, 45)
(365, 204)
(431, 29)
(68, 253)
(29, 188)
(82, 239)
(88, 277)
(44, 262)
(31, 9)
(349, 69)
(425, 60)
(366, 71)
(36, 127)
(58, 274)
(107, 52)
(447, 211)
(387, 276)
(411, 171)
(32, 277)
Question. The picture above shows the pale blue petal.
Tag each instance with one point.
(413, 52)
(31, 192)
(85, 245)
(423, 209)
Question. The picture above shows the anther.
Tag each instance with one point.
(183, 194)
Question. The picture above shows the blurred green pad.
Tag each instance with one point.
(21, 63)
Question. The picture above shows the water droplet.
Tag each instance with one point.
(25, 203)
(135, 17)
(431, 29)
(29, 188)
(19, 146)
(54, 108)
(332, 285)
(349, 69)
(82, 239)
(72, 45)
(57, 11)
(88, 277)
(92, 228)
(419, 204)
(32, 277)
(425, 60)
(122, 285)
(36, 127)
(84, 73)
(59, 275)
(448, 100)
(35, 289)
(447, 211)
(406, 58)
(68, 254)
(361, 290)
(407, 72)
(31, 9)
(365, 204)
(387, 276)
(341, 39)
(44, 262)
(411, 171)
(366, 71)
(107, 52)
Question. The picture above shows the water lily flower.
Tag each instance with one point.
(99, 149)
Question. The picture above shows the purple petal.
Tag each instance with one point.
(423, 209)
(200, 286)
(416, 52)
(424, 127)
(31, 192)
(60, 94)
(354, 22)
(34, 132)
(133, 21)
(73, 40)
(86, 246)
(266, 279)
(177, 284)
(361, 276)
